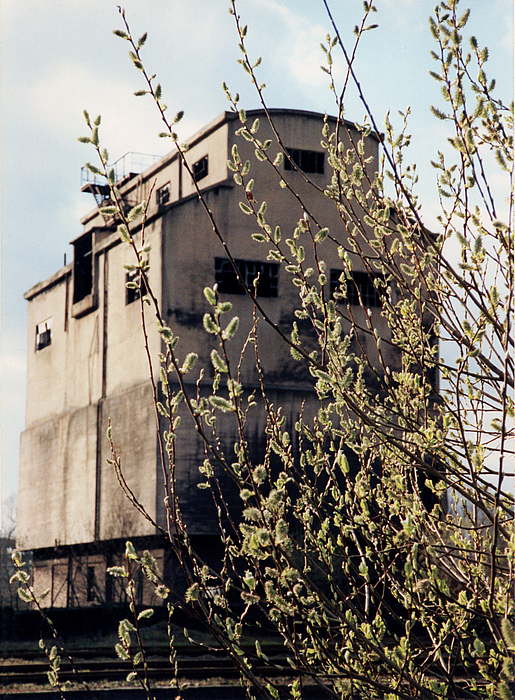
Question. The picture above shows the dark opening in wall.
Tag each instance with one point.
(307, 161)
(82, 267)
(200, 169)
(91, 584)
(135, 286)
(249, 270)
(43, 334)
(163, 195)
(361, 289)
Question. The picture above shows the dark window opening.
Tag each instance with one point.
(135, 286)
(163, 195)
(200, 169)
(91, 584)
(138, 594)
(82, 267)
(361, 289)
(43, 334)
(307, 161)
(228, 283)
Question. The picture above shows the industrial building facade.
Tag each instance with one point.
(87, 363)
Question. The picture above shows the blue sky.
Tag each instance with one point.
(61, 57)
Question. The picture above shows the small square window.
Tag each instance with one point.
(163, 195)
(228, 283)
(361, 288)
(200, 169)
(43, 334)
(134, 286)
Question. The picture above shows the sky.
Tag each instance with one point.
(61, 57)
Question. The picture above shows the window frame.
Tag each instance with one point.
(43, 334)
(163, 194)
(361, 290)
(306, 160)
(228, 283)
(133, 294)
(201, 168)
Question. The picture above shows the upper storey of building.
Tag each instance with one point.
(82, 322)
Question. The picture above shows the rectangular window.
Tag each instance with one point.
(134, 286)
(163, 195)
(307, 161)
(227, 281)
(82, 267)
(361, 290)
(43, 334)
(200, 169)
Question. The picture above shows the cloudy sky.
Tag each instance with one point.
(60, 57)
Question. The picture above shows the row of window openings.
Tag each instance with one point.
(200, 171)
(307, 161)
(263, 277)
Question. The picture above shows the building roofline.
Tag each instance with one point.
(51, 281)
(216, 123)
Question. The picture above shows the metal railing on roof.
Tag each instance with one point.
(131, 162)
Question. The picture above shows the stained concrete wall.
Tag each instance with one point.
(96, 364)
(56, 503)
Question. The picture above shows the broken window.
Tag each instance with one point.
(163, 195)
(43, 334)
(361, 288)
(307, 161)
(82, 267)
(134, 286)
(200, 169)
(266, 273)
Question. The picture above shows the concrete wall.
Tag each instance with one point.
(96, 368)
(131, 413)
(56, 502)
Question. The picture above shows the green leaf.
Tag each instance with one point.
(210, 295)
(130, 552)
(136, 211)
(231, 328)
(219, 364)
(145, 614)
(192, 593)
(221, 403)
(210, 325)
(245, 208)
(508, 633)
(189, 362)
(93, 169)
(108, 211)
(123, 232)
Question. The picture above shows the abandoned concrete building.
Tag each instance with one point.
(87, 362)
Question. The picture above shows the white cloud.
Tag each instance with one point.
(295, 39)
